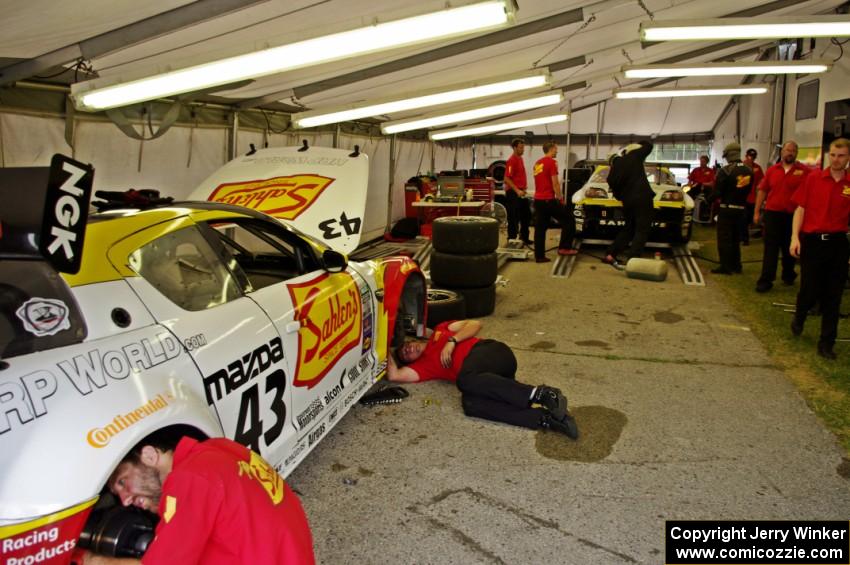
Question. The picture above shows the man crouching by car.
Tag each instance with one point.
(218, 502)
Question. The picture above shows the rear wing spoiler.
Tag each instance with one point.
(45, 211)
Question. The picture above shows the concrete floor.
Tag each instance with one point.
(681, 412)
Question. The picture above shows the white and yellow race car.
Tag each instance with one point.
(599, 215)
(213, 318)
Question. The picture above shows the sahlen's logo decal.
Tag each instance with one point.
(329, 312)
(44, 316)
(282, 197)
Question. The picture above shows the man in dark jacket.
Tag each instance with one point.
(733, 185)
(628, 183)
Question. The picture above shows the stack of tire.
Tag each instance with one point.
(463, 262)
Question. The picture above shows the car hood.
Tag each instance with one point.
(658, 189)
(320, 190)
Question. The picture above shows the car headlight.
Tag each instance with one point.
(595, 192)
(673, 196)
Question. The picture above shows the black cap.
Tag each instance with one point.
(752, 153)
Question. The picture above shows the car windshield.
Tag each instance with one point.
(37, 310)
(659, 175)
(600, 176)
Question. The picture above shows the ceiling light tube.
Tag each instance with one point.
(405, 32)
(625, 93)
(725, 69)
(446, 95)
(472, 114)
(491, 128)
(745, 28)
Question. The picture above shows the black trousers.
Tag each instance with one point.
(777, 239)
(546, 210)
(823, 270)
(519, 215)
(638, 215)
(487, 381)
(729, 222)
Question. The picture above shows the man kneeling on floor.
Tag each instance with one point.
(485, 373)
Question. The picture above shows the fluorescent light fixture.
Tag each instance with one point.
(725, 69)
(746, 28)
(480, 89)
(624, 93)
(370, 39)
(491, 128)
(472, 114)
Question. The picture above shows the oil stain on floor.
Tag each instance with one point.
(668, 317)
(599, 430)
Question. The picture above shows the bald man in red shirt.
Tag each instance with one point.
(819, 239)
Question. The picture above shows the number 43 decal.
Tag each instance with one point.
(330, 231)
(249, 426)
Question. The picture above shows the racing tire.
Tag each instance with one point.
(479, 301)
(445, 305)
(465, 235)
(463, 271)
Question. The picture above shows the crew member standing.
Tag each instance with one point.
(734, 182)
(518, 207)
(628, 183)
(549, 203)
(819, 239)
(701, 178)
(776, 191)
(758, 175)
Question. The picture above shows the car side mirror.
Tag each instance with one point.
(334, 261)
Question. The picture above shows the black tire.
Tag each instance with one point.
(463, 271)
(445, 305)
(479, 301)
(465, 235)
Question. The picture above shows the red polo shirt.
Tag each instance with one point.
(544, 170)
(826, 202)
(780, 186)
(222, 504)
(758, 175)
(702, 175)
(429, 367)
(515, 170)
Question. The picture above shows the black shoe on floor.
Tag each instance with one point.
(541, 260)
(826, 352)
(796, 327)
(721, 271)
(788, 282)
(567, 426)
(738, 270)
(611, 260)
(763, 287)
(552, 399)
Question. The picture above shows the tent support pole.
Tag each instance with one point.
(233, 138)
(336, 137)
(598, 127)
(567, 150)
(391, 183)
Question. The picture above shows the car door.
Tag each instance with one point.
(188, 289)
(319, 315)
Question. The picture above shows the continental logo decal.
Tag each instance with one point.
(281, 197)
(100, 437)
(330, 313)
(257, 469)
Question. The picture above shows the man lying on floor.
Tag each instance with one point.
(485, 373)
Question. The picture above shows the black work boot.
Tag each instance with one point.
(566, 426)
(552, 399)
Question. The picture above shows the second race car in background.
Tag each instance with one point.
(599, 215)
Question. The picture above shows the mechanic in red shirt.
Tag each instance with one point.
(516, 183)
(549, 203)
(485, 372)
(819, 239)
(218, 503)
(701, 178)
(758, 175)
(775, 192)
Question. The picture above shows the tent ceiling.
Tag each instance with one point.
(594, 39)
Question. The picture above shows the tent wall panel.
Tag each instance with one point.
(30, 141)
